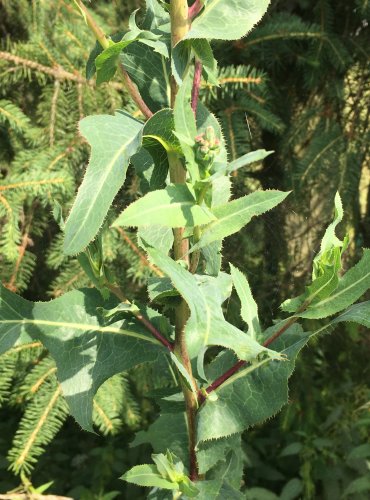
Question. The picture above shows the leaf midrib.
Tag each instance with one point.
(80, 326)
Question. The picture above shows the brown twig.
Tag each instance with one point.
(31, 496)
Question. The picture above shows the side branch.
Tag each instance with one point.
(240, 364)
(148, 325)
(196, 86)
(104, 42)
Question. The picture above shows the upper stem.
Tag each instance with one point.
(179, 28)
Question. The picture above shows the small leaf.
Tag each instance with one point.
(148, 475)
(203, 51)
(247, 159)
(106, 62)
(174, 206)
(291, 449)
(113, 140)
(237, 213)
(249, 310)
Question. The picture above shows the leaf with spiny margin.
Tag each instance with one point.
(210, 453)
(237, 213)
(174, 206)
(358, 313)
(249, 309)
(227, 19)
(161, 440)
(160, 237)
(80, 341)
(151, 72)
(254, 394)
(185, 126)
(221, 192)
(206, 325)
(326, 266)
(247, 159)
(203, 52)
(113, 140)
(148, 475)
(351, 286)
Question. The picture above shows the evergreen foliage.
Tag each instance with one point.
(295, 85)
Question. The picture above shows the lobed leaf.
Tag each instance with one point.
(113, 139)
(79, 340)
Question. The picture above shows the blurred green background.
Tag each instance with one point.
(298, 85)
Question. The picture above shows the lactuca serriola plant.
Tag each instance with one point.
(179, 154)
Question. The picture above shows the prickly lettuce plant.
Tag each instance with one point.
(220, 380)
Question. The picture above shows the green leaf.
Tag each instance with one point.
(237, 213)
(160, 128)
(113, 140)
(106, 62)
(358, 313)
(253, 394)
(160, 237)
(210, 453)
(174, 206)
(227, 19)
(148, 475)
(249, 310)
(185, 126)
(247, 159)
(80, 341)
(151, 72)
(326, 267)
(203, 52)
(151, 166)
(292, 489)
(351, 287)
(156, 16)
(206, 325)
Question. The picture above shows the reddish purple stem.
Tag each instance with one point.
(196, 86)
(195, 8)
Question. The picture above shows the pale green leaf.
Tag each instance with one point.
(174, 206)
(253, 394)
(160, 128)
(247, 159)
(227, 19)
(113, 140)
(148, 475)
(203, 52)
(249, 309)
(351, 287)
(80, 341)
(185, 126)
(151, 72)
(206, 325)
(237, 213)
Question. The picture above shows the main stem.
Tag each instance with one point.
(179, 28)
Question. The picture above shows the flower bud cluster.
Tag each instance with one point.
(207, 147)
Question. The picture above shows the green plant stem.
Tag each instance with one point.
(104, 42)
(179, 28)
